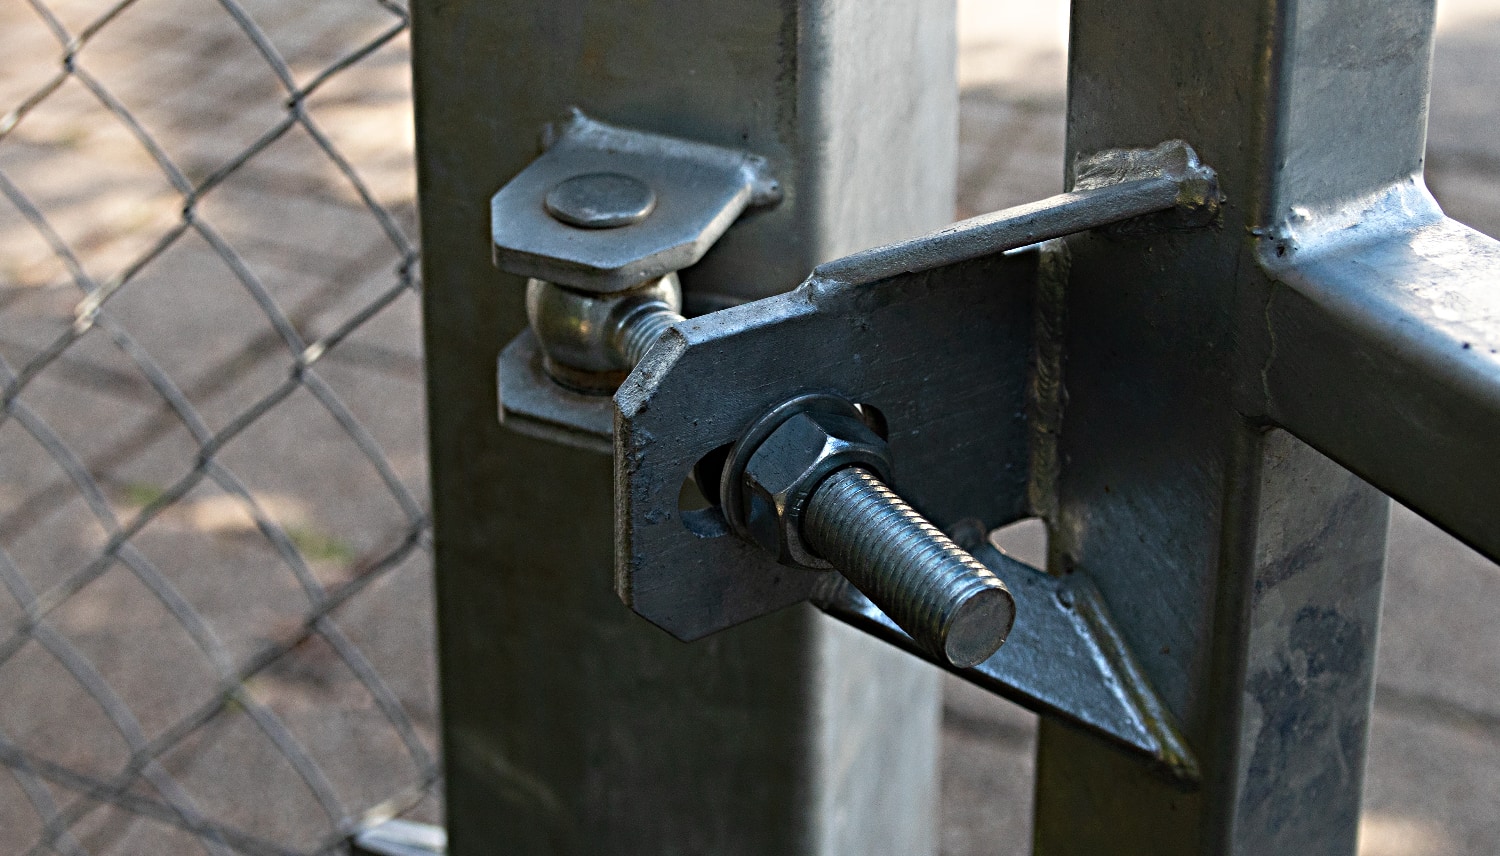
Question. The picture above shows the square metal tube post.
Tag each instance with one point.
(570, 725)
(1244, 566)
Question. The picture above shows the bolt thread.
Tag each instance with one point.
(640, 330)
(945, 599)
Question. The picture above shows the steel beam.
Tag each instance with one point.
(570, 725)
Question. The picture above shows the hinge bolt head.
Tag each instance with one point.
(600, 200)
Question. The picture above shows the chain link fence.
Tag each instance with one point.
(214, 544)
(215, 629)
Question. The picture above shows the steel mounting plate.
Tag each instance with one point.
(948, 358)
(699, 190)
(942, 355)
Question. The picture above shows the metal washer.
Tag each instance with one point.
(731, 486)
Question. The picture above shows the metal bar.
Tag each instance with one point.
(571, 726)
(1008, 229)
(1385, 357)
(1242, 567)
(1276, 699)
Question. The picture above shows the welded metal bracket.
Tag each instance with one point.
(942, 356)
(937, 335)
(1064, 658)
(942, 340)
(692, 193)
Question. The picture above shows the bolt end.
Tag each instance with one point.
(978, 626)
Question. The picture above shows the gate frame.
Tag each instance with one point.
(1236, 400)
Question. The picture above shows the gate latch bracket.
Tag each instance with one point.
(940, 345)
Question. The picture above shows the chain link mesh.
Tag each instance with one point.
(213, 530)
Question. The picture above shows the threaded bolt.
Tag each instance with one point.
(591, 341)
(639, 329)
(945, 599)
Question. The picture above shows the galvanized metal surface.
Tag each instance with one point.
(1401, 305)
(956, 426)
(600, 200)
(1242, 567)
(807, 484)
(957, 415)
(400, 838)
(851, 330)
(1114, 186)
(570, 725)
(1125, 185)
(560, 219)
(1064, 658)
(1239, 567)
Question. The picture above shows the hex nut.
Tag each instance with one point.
(784, 471)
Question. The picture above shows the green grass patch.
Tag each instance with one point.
(318, 546)
(142, 494)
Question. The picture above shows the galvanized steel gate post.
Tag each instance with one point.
(1245, 566)
(1208, 419)
(571, 725)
